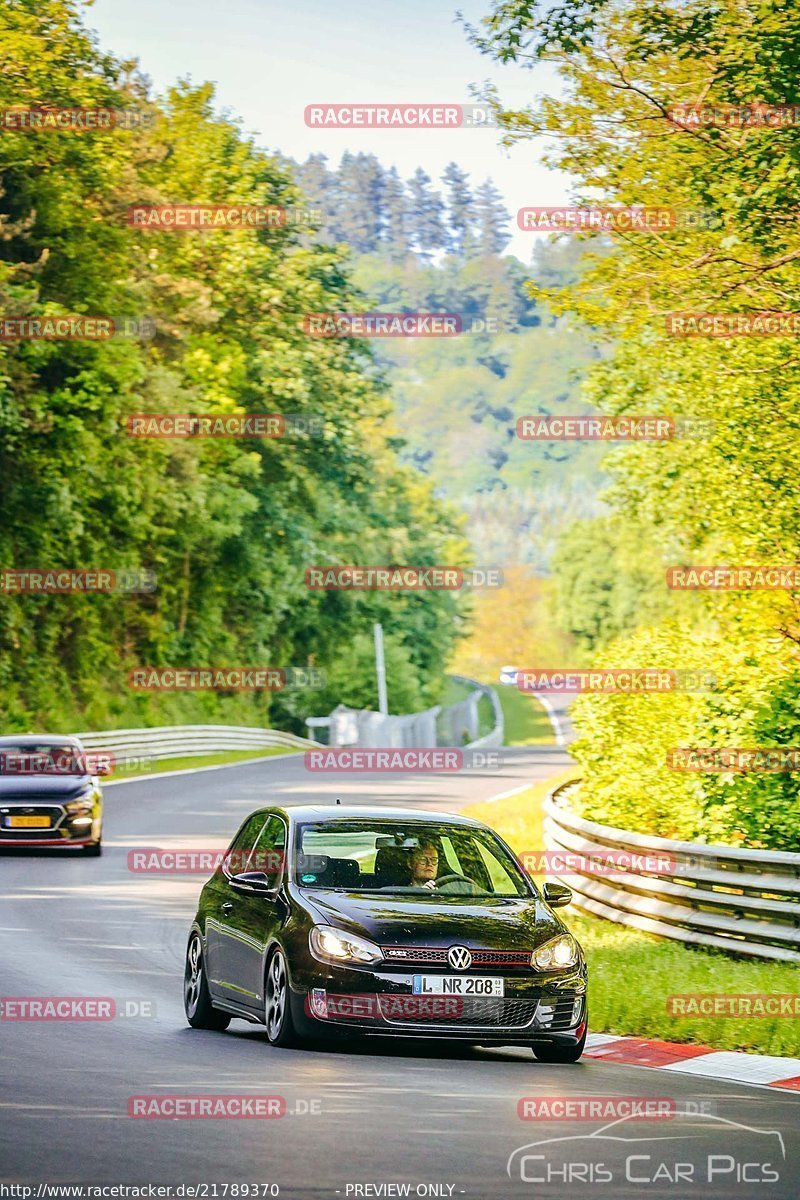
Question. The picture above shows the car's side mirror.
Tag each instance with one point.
(258, 882)
(557, 894)
(96, 762)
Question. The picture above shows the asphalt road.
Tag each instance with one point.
(443, 1121)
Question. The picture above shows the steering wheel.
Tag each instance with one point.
(445, 880)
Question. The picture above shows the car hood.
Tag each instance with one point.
(513, 924)
(42, 787)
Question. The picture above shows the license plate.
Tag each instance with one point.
(28, 822)
(458, 985)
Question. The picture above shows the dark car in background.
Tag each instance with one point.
(353, 921)
(49, 797)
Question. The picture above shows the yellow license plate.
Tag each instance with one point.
(29, 822)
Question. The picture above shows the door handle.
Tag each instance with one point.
(227, 906)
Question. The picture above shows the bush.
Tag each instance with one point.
(624, 741)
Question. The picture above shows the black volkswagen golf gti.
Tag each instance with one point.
(352, 920)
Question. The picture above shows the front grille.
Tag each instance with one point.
(54, 812)
(437, 956)
(548, 1013)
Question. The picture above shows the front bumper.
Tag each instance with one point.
(536, 1008)
(65, 829)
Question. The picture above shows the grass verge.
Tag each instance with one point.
(205, 760)
(632, 974)
(525, 718)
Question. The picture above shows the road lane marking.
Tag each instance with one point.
(246, 762)
(555, 720)
(507, 795)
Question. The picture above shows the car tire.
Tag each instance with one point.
(93, 850)
(553, 1053)
(277, 1002)
(200, 1012)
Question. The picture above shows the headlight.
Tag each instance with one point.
(334, 945)
(561, 952)
(84, 802)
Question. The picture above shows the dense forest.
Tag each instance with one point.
(418, 461)
(417, 436)
(418, 247)
(226, 526)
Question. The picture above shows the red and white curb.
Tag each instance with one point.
(760, 1070)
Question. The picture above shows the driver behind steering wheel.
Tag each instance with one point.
(424, 861)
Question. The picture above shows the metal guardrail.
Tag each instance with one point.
(363, 727)
(742, 901)
(495, 736)
(452, 725)
(187, 741)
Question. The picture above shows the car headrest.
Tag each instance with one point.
(392, 865)
(340, 872)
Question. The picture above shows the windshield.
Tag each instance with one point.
(424, 858)
(41, 758)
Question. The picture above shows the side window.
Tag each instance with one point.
(472, 864)
(270, 850)
(448, 859)
(501, 882)
(238, 852)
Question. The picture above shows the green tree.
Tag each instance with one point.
(460, 210)
(397, 230)
(491, 220)
(725, 490)
(427, 211)
(228, 526)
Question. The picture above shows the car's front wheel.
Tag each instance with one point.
(94, 849)
(277, 1009)
(553, 1053)
(200, 1012)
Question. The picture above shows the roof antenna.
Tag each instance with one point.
(338, 801)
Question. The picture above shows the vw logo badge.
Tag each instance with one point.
(459, 957)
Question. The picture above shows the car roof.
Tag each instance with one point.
(369, 812)
(40, 739)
